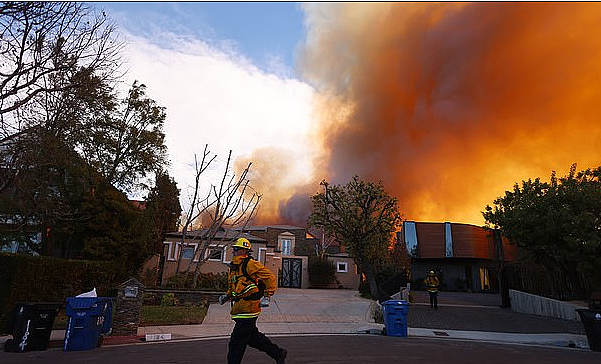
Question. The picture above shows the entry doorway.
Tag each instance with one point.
(292, 269)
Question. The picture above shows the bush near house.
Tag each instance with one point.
(206, 281)
(47, 279)
(169, 299)
(153, 315)
(322, 272)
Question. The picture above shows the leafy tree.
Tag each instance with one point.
(59, 62)
(362, 217)
(45, 196)
(115, 229)
(44, 46)
(557, 224)
(125, 141)
(163, 209)
(77, 213)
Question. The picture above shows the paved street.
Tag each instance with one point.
(361, 349)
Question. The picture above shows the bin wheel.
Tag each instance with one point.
(8, 346)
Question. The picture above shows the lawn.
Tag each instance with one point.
(172, 315)
(155, 315)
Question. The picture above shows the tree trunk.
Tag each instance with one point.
(371, 278)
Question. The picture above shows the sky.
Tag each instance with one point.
(226, 74)
(448, 104)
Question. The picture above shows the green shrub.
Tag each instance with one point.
(181, 280)
(322, 272)
(47, 279)
(206, 281)
(169, 299)
(212, 281)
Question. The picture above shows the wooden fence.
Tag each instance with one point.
(543, 282)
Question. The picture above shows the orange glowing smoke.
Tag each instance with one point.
(451, 104)
(448, 104)
(284, 198)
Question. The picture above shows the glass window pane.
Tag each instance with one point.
(188, 252)
(215, 253)
(286, 246)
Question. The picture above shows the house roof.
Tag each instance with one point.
(139, 204)
(452, 240)
(265, 227)
(222, 234)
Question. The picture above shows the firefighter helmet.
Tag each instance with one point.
(431, 272)
(242, 243)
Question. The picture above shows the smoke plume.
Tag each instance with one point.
(451, 104)
(448, 104)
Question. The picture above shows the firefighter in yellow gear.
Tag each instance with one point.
(249, 283)
(432, 284)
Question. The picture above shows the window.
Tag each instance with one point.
(262, 255)
(188, 252)
(342, 267)
(215, 253)
(286, 246)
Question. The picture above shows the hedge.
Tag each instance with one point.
(322, 272)
(46, 279)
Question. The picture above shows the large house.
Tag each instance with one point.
(284, 249)
(465, 257)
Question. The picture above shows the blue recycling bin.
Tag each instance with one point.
(395, 317)
(89, 317)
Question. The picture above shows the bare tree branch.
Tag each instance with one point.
(225, 211)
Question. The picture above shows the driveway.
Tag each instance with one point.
(305, 305)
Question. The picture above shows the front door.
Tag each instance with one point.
(291, 272)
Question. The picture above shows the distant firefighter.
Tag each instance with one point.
(432, 284)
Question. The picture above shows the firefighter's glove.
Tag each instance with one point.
(264, 302)
(223, 299)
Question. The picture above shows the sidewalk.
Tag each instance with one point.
(295, 312)
(309, 312)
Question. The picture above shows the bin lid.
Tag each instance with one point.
(395, 302)
(82, 302)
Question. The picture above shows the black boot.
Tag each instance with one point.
(282, 358)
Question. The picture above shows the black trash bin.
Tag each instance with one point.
(591, 319)
(31, 326)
